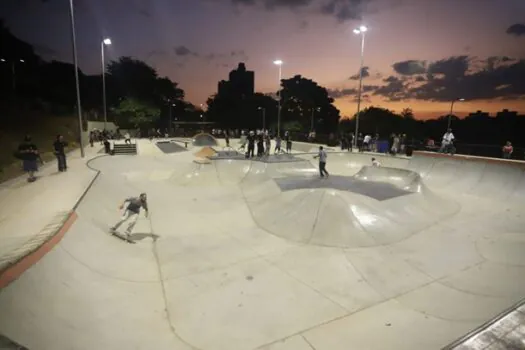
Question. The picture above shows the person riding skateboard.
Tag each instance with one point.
(131, 213)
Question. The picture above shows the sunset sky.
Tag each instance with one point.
(418, 53)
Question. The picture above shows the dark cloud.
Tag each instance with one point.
(450, 68)
(391, 79)
(342, 10)
(494, 78)
(394, 90)
(182, 51)
(410, 67)
(454, 77)
(338, 93)
(365, 72)
(517, 29)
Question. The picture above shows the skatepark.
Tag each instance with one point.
(245, 254)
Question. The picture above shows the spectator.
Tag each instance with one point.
(507, 150)
(29, 154)
(59, 146)
(447, 143)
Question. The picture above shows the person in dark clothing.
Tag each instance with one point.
(28, 152)
(60, 152)
(251, 145)
(227, 138)
(260, 145)
(131, 212)
(107, 146)
(288, 140)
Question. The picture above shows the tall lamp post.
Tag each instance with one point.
(75, 59)
(313, 115)
(280, 64)
(263, 117)
(360, 31)
(170, 126)
(13, 71)
(452, 109)
(104, 42)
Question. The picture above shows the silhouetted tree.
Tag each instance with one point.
(134, 113)
(300, 97)
(248, 112)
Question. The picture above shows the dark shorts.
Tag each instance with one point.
(30, 165)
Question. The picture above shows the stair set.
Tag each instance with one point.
(125, 149)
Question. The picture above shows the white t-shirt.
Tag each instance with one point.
(376, 163)
(448, 138)
(367, 139)
(322, 156)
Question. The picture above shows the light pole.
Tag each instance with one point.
(263, 117)
(452, 109)
(280, 64)
(104, 42)
(170, 126)
(13, 71)
(313, 114)
(75, 59)
(361, 30)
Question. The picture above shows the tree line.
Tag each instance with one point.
(138, 96)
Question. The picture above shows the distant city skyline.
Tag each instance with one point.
(418, 55)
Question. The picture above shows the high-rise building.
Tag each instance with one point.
(241, 83)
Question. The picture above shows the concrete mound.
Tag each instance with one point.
(203, 139)
(206, 152)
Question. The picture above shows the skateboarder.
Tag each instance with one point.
(322, 162)
(132, 212)
(375, 162)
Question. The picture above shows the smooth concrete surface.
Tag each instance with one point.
(226, 260)
(30, 213)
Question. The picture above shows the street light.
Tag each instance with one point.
(13, 71)
(280, 64)
(104, 42)
(451, 109)
(170, 126)
(313, 114)
(360, 31)
(263, 116)
(75, 60)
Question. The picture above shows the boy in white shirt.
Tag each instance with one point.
(375, 162)
(447, 143)
(322, 162)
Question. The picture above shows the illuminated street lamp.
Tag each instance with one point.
(263, 117)
(451, 110)
(313, 115)
(360, 31)
(104, 42)
(13, 71)
(280, 64)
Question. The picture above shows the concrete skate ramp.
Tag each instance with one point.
(376, 206)
(202, 140)
(205, 272)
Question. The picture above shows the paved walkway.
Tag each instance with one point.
(31, 213)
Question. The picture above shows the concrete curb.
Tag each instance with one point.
(14, 271)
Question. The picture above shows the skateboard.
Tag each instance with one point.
(121, 237)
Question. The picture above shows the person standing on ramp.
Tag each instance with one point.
(322, 162)
(131, 213)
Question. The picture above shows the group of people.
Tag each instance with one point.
(31, 158)
(262, 140)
